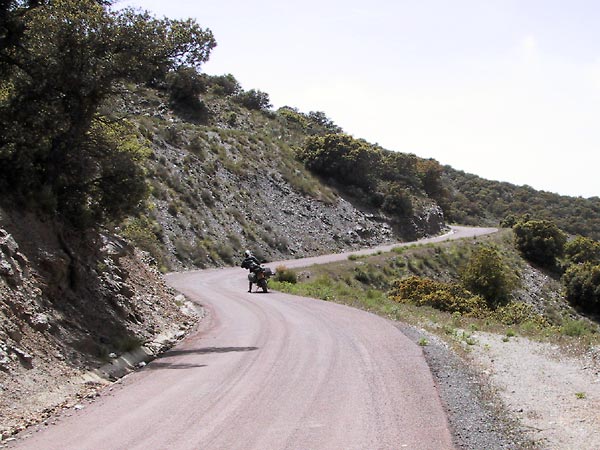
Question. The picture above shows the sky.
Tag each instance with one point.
(505, 89)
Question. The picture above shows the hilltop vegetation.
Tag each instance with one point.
(473, 200)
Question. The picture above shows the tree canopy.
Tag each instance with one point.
(60, 62)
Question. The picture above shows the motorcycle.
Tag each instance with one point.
(261, 277)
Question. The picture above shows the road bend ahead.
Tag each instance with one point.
(268, 372)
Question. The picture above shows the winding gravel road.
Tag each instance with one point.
(269, 371)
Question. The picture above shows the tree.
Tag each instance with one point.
(321, 124)
(430, 173)
(349, 161)
(225, 85)
(185, 85)
(61, 61)
(254, 99)
(582, 286)
(486, 274)
(540, 241)
(397, 201)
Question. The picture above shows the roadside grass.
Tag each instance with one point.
(364, 281)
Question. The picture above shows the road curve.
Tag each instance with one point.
(268, 371)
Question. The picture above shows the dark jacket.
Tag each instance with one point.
(250, 263)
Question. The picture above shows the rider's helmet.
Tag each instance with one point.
(247, 253)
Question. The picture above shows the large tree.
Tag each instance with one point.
(60, 61)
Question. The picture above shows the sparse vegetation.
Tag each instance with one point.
(418, 285)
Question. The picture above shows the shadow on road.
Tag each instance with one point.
(156, 365)
(162, 362)
(201, 351)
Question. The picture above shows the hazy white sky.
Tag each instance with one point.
(506, 89)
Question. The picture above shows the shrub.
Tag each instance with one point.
(582, 286)
(574, 328)
(487, 275)
(540, 241)
(184, 86)
(254, 99)
(143, 233)
(582, 249)
(369, 276)
(515, 313)
(286, 275)
(450, 297)
(225, 85)
(293, 117)
(397, 201)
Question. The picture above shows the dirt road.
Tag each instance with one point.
(268, 371)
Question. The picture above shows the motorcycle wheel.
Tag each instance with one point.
(263, 284)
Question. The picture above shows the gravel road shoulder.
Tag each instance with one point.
(516, 393)
(555, 396)
(477, 417)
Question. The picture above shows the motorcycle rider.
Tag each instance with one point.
(252, 264)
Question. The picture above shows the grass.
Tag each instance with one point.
(363, 282)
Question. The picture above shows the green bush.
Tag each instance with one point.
(224, 85)
(397, 201)
(143, 233)
(515, 313)
(582, 286)
(369, 276)
(254, 99)
(581, 249)
(575, 328)
(486, 274)
(185, 86)
(286, 275)
(540, 241)
(450, 297)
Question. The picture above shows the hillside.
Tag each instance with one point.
(231, 181)
(123, 162)
(474, 200)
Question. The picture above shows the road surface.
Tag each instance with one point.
(268, 371)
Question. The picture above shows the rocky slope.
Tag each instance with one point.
(231, 182)
(68, 305)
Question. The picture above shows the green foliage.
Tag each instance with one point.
(581, 249)
(540, 241)
(515, 313)
(397, 201)
(575, 328)
(145, 235)
(340, 156)
(60, 66)
(486, 274)
(224, 85)
(285, 275)
(380, 178)
(369, 276)
(185, 85)
(313, 123)
(450, 297)
(293, 117)
(472, 200)
(430, 174)
(254, 99)
(582, 286)
(319, 123)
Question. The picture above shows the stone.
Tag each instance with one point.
(22, 354)
(40, 322)
(6, 269)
